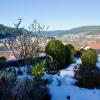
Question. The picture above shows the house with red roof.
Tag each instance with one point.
(93, 45)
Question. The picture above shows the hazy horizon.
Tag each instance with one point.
(58, 14)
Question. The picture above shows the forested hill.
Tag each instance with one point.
(6, 31)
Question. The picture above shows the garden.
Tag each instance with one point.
(59, 73)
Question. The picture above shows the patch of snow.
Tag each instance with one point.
(78, 61)
(42, 55)
(98, 58)
(98, 62)
(67, 87)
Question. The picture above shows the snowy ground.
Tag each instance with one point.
(63, 86)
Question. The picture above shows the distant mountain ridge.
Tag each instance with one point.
(84, 29)
(6, 31)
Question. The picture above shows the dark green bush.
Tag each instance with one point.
(87, 74)
(89, 78)
(82, 50)
(2, 58)
(89, 58)
(71, 47)
(70, 53)
(78, 54)
(2, 62)
(57, 51)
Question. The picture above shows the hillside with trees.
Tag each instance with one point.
(6, 31)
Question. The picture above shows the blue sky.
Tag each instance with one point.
(58, 14)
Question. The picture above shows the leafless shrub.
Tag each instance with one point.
(27, 45)
(7, 82)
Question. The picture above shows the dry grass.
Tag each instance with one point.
(24, 90)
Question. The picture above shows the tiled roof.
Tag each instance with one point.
(94, 45)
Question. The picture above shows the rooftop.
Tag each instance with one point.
(94, 45)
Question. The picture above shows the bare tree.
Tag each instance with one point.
(27, 43)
